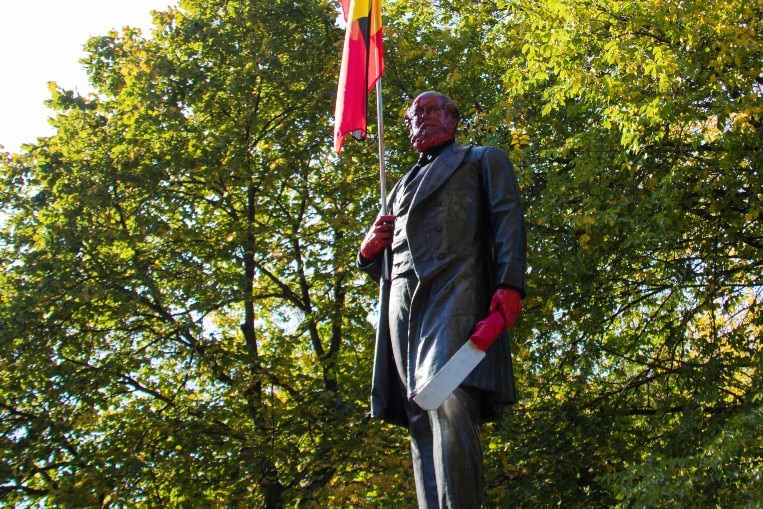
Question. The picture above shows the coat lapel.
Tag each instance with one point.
(442, 168)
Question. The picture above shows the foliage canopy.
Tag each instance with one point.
(181, 323)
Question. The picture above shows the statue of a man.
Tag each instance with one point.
(455, 231)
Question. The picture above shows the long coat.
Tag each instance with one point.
(466, 234)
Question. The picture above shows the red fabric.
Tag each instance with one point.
(362, 66)
(487, 330)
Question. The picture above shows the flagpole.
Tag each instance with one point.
(382, 165)
(386, 272)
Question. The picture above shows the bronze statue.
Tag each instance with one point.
(455, 232)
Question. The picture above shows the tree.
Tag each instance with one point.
(181, 324)
(177, 326)
(639, 131)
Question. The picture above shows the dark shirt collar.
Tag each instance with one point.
(428, 155)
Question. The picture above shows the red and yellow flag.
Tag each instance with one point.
(362, 65)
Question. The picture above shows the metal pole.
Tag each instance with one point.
(382, 165)
(386, 263)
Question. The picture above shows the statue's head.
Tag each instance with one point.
(431, 119)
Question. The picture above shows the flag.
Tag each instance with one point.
(362, 66)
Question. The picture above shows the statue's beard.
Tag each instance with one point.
(428, 136)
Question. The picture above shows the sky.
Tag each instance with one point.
(41, 41)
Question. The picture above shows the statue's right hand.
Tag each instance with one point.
(378, 237)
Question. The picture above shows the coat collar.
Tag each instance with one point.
(442, 168)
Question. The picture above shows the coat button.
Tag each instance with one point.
(441, 256)
(438, 228)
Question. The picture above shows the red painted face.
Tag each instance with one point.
(429, 121)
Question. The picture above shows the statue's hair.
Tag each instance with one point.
(447, 102)
(450, 106)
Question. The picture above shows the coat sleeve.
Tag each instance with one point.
(509, 239)
(372, 268)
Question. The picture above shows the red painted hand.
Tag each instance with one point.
(378, 237)
(507, 302)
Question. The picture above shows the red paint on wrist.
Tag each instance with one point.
(487, 330)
